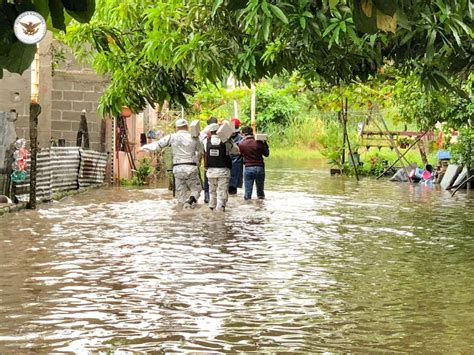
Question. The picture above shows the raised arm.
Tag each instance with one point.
(158, 145)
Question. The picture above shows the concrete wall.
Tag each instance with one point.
(73, 88)
(15, 95)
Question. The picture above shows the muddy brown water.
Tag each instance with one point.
(324, 264)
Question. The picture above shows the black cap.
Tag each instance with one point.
(247, 131)
(211, 120)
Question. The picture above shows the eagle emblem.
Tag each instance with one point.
(30, 28)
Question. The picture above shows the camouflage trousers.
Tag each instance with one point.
(187, 183)
(218, 192)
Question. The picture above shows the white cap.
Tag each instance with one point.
(181, 123)
(213, 127)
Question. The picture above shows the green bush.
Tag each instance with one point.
(463, 150)
(274, 106)
(141, 175)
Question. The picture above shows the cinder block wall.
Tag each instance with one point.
(74, 91)
(73, 87)
(76, 87)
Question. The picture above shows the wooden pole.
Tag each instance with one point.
(253, 104)
(346, 135)
(342, 118)
(35, 110)
(392, 141)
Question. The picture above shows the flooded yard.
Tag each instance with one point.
(323, 264)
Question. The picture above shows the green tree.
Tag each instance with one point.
(334, 41)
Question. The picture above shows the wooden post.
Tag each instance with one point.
(253, 104)
(422, 149)
(342, 119)
(35, 110)
(346, 136)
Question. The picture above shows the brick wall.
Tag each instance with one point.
(73, 88)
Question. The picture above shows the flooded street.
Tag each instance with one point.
(324, 264)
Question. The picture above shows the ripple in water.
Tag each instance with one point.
(324, 264)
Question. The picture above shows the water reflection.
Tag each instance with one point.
(324, 264)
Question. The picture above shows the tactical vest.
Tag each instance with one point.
(216, 156)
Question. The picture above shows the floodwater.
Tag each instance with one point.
(323, 265)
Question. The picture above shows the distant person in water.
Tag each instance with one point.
(253, 152)
(236, 173)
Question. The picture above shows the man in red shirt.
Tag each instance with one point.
(253, 152)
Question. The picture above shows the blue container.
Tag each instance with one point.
(444, 155)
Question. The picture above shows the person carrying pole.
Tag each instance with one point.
(187, 153)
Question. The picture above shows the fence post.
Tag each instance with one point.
(35, 110)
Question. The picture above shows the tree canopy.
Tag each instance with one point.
(15, 56)
(157, 50)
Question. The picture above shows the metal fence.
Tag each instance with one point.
(63, 169)
(92, 168)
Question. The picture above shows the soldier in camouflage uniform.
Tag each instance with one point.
(187, 152)
(218, 164)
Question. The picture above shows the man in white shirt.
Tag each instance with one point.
(187, 152)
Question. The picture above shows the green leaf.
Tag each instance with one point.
(7, 36)
(265, 9)
(19, 58)
(456, 36)
(57, 14)
(279, 13)
(42, 6)
(430, 46)
(469, 31)
(333, 3)
(80, 10)
(303, 22)
(408, 36)
(329, 28)
(266, 28)
(388, 7)
(217, 4)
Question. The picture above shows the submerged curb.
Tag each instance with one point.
(9, 208)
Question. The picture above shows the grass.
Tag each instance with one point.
(280, 153)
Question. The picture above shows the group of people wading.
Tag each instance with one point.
(226, 163)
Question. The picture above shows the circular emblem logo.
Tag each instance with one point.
(30, 27)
